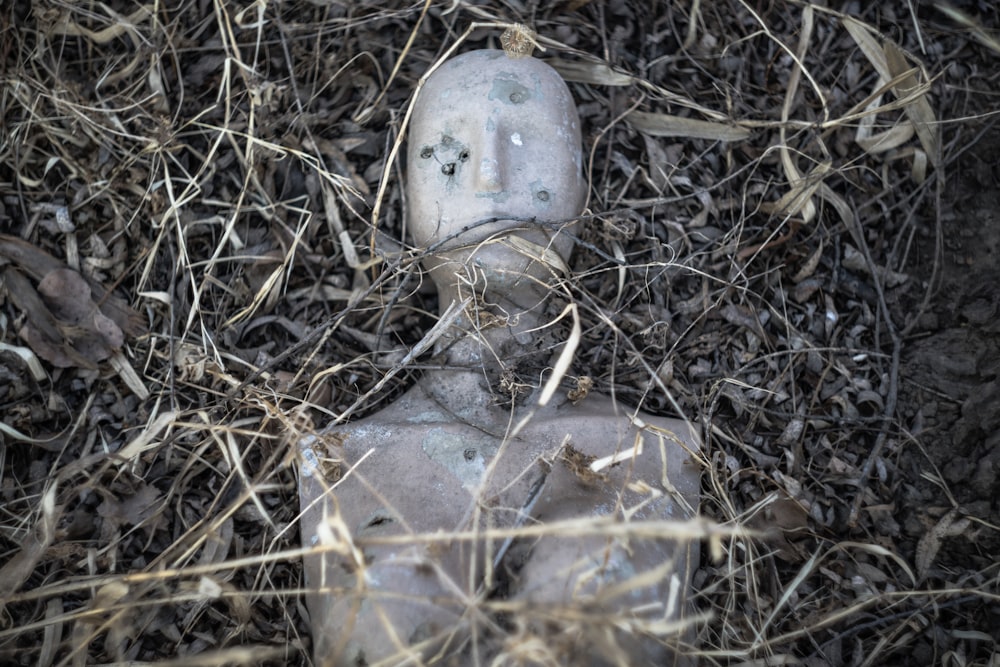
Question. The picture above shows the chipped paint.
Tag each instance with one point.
(310, 462)
(463, 456)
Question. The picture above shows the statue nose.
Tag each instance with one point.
(489, 177)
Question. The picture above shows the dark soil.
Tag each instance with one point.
(951, 366)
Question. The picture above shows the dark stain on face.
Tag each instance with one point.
(444, 153)
(509, 91)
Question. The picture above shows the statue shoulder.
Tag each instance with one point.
(601, 416)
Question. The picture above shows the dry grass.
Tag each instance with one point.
(761, 176)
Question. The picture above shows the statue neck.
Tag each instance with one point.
(490, 351)
(506, 294)
(493, 328)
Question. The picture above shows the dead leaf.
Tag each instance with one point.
(927, 548)
(665, 125)
(132, 511)
(590, 72)
(79, 326)
(70, 321)
(891, 64)
(808, 267)
(37, 263)
(785, 522)
(69, 297)
(41, 330)
(20, 566)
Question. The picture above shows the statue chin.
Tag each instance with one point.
(506, 266)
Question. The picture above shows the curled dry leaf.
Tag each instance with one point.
(890, 61)
(808, 267)
(133, 510)
(593, 72)
(20, 566)
(665, 125)
(855, 261)
(785, 523)
(83, 335)
(70, 321)
(949, 525)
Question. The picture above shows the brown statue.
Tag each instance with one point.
(464, 522)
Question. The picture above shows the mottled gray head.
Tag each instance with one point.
(493, 137)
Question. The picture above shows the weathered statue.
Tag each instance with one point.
(441, 531)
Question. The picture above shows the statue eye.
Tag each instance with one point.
(426, 152)
(464, 156)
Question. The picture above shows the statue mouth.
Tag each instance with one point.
(540, 237)
(486, 229)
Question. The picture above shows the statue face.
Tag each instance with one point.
(493, 137)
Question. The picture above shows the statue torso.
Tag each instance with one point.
(444, 447)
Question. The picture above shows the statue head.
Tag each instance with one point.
(493, 139)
